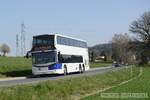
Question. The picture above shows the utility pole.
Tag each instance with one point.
(23, 40)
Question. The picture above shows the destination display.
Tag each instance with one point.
(41, 48)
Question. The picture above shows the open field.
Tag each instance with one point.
(18, 66)
(66, 89)
(14, 66)
(138, 85)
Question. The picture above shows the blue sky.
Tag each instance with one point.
(93, 20)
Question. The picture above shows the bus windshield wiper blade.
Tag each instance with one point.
(47, 64)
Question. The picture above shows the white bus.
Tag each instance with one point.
(58, 54)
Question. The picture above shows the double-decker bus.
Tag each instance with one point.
(58, 54)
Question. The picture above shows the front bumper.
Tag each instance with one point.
(38, 71)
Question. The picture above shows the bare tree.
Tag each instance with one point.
(141, 27)
(5, 49)
(120, 45)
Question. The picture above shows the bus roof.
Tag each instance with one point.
(59, 35)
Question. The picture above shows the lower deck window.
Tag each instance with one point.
(70, 59)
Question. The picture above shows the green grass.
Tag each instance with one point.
(15, 66)
(139, 85)
(65, 89)
(100, 64)
(19, 66)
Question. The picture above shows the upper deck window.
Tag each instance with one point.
(43, 40)
(71, 42)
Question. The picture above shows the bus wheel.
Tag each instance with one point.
(65, 70)
(80, 69)
(83, 68)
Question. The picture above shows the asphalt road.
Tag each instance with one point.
(33, 80)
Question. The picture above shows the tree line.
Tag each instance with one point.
(126, 49)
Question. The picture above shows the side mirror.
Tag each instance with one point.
(28, 55)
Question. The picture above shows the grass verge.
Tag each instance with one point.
(66, 89)
(138, 85)
(100, 64)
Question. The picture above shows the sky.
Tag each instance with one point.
(95, 21)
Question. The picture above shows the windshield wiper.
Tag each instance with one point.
(47, 64)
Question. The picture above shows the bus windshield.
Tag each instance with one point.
(44, 57)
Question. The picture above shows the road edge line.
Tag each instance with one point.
(12, 78)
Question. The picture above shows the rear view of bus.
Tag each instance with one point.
(58, 54)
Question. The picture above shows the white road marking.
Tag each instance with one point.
(12, 78)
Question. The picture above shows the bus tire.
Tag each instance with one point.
(83, 68)
(80, 68)
(65, 70)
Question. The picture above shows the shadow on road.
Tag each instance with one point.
(28, 74)
(50, 75)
